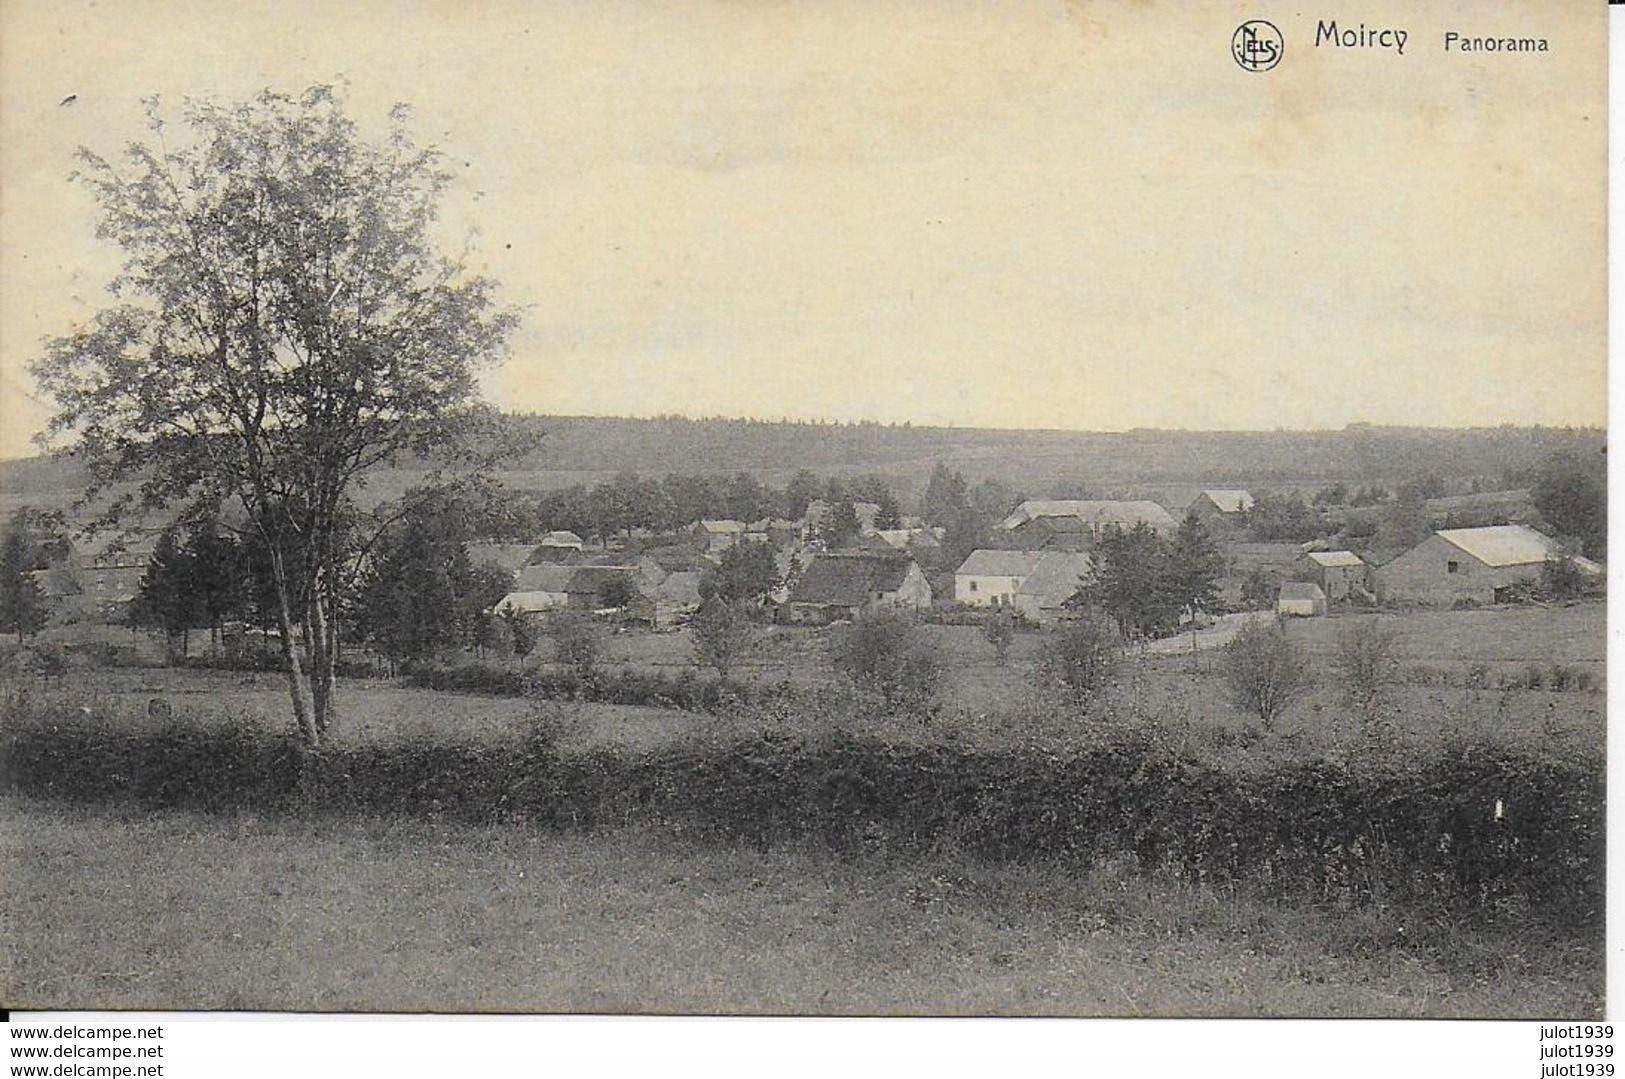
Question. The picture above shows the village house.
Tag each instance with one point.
(1076, 524)
(1045, 594)
(1476, 565)
(1338, 573)
(1036, 583)
(557, 547)
(1301, 599)
(1222, 507)
(714, 537)
(846, 584)
(539, 588)
(989, 578)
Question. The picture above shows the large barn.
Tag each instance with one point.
(1469, 564)
(1074, 523)
(846, 584)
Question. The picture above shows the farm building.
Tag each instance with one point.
(1337, 572)
(567, 540)
(1477, 565)
(1302, 599)
(991, 578)
(676, 596)
(106, 568)
(539, 588)
(1055, 580)
(1037, 583)
(844, 585)
(714, 537)
(1072, 523)
(1222, 507)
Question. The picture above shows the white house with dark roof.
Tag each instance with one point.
(1037, 583)
(1470, 564)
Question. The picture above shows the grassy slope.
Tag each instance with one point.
(985, 699)
(176, 911)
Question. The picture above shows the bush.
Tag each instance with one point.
(722, 634)
(575, 644)
(1080, 657)
(1367, 663)
(1265, 671)
(999, 630)
(883, 651)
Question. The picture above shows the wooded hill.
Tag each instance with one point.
(1163, 464)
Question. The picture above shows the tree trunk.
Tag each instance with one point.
(304, 707)
(320, 649)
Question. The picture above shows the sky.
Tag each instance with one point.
(1081, 216)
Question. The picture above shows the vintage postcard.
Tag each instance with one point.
(900, 508)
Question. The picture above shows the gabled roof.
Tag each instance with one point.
(561, 539)
(1058, 575)
(1335, 558)
(991, 563)
(593, 578)
(682, 587)
(850, 580)
(1230, 501)
(1301, 590)
(721, 528)
(1093, 512)
(544, 577)
(1502, 545)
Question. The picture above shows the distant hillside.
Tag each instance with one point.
(1169, 466)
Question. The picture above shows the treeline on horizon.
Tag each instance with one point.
(564, 450)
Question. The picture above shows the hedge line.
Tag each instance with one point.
(686, 691)
(1423, 828)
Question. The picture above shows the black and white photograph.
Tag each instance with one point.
(898, 509)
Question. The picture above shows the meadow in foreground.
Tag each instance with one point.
(108, 909)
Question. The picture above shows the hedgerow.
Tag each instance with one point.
(1477, 828)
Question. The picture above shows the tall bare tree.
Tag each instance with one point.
(282, 324)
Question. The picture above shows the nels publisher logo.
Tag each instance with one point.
(1256, 45)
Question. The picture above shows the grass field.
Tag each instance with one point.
(104, 910)
(986, 701)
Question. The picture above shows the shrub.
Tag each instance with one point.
(1081, 656)
(1561, 579)
(1265, 671)
(575, 644)
(1368, 665)
(521, 632)
(999, 630)
(722, 634)
(883, 651)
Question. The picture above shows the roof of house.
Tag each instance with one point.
(1301, 590)
(561, 539)
(1335, 558)
(850, 579)
(1502, 545)
(1057, 577)
(682, 587)
(721, 527)
(544, 577)
(593, 578)
(1095, 512)
(1230, 501)
(990, 563)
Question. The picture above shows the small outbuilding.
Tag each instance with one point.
(1301, 599)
